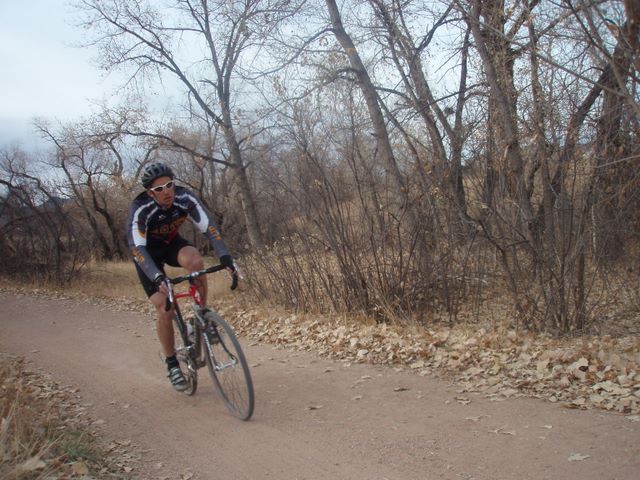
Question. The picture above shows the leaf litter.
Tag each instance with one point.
(579, 373)
(38, 414)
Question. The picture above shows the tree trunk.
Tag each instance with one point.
(371, 97)
(247, 198)
(497, 60)
(609, 177)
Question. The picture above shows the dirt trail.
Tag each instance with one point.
(314, 419)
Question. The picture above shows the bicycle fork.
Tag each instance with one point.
(213, 337)
(196, 348)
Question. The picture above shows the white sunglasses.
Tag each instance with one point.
(160, 188)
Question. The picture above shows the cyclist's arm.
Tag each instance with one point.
(136, 238)
(145, 262)
(203, 222)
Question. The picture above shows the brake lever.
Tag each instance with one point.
(234, 280)
(236, 276)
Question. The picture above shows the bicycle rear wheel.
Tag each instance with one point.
(184, 356)
(228, 367)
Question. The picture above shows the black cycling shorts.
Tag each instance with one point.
(162, 254)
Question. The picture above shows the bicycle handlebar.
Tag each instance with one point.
(199, 273)
(193, 275)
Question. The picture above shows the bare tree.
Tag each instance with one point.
(365, 160)
(151, 38)
(39, 235)
(407, 55)
(612, 142)
(93, 164)
(371, 97)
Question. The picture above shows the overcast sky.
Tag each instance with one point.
(42, 74)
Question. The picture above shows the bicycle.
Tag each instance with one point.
(209, 339)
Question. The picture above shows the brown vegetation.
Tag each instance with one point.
(362, 182)
(45, 433)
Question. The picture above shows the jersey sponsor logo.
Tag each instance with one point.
(141, 232)
(137, 254)
(214, 232)
(164, 230)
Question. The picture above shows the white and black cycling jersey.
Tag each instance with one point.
(151, 225)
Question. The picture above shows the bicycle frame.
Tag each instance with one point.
(194, 293)
(195, 346)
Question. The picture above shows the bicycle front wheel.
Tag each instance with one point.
(227, 366)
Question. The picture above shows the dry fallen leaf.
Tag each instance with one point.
(476, 419)
(501, 431)
(34, 463)
(578, 457)
(80, 468)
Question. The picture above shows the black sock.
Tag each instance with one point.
(172, 362)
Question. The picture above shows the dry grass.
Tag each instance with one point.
(119, 280)
(43, 433)
(108, 279)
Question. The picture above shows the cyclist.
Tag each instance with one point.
(155, 217)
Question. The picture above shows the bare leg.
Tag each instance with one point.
(164, 327)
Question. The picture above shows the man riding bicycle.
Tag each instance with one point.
(155, 217)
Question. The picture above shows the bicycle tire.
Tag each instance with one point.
(187, 365)
(229, 369)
